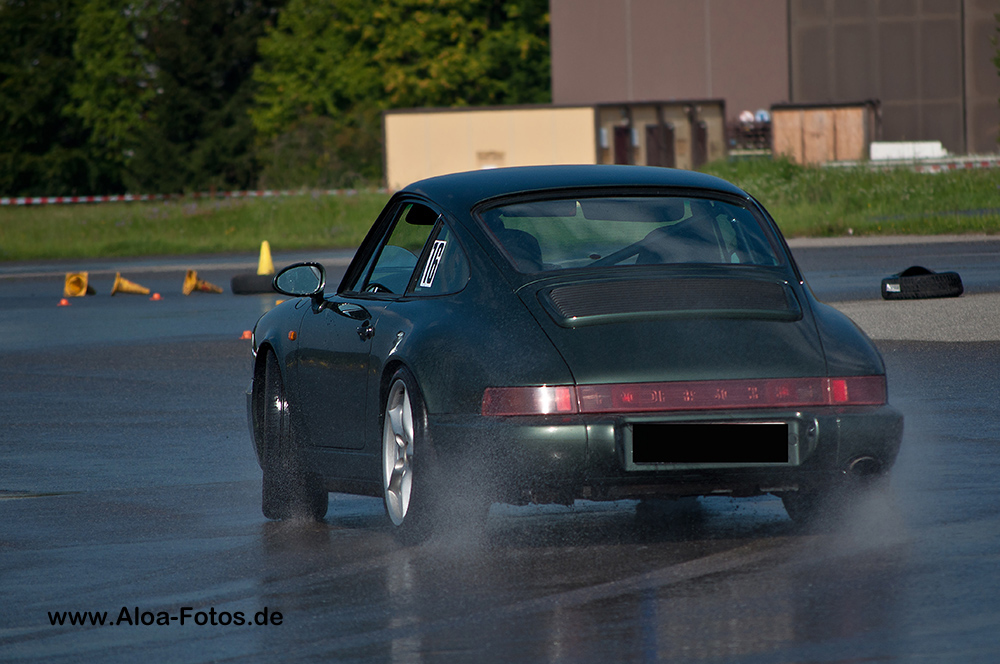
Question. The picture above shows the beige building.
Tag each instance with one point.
(424, 143)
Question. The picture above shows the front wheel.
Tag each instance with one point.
(287, 490)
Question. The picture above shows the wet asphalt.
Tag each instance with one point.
(128, 487)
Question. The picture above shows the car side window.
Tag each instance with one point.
(390, 268)
(443, 266)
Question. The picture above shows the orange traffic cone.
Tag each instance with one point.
(76, 285)
(193, 283)
(123, 285)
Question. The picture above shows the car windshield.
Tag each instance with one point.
(556, 234)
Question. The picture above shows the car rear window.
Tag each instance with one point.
(563, 233)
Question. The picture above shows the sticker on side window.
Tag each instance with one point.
(430, 270)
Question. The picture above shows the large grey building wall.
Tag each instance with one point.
(982, 84)
(640, 50)
(929, 62)
(906, 53)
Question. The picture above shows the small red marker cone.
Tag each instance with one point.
(247, 334)
(63, 302)
(156, 297)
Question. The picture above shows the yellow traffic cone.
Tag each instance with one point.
(123, 285)
(76, 285)
(193, 283)
(265, 265)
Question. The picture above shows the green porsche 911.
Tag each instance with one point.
(553, 333)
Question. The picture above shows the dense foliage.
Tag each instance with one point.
(43, 148)
(105, 96)
(996, 58)
(331, 66)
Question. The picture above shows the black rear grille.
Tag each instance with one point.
(671, 296)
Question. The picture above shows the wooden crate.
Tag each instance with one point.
(819, 134)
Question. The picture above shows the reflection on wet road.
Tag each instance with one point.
(127, 483)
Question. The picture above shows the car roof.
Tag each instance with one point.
(461, 191)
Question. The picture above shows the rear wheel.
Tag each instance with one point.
(287, 489)
(419, 497)
(407, 460)
(835, 504)
(397, 451)
(803, 507)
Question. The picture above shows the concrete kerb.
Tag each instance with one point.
(971, 317)
(966, 318)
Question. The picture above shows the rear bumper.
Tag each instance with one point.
(558, 459)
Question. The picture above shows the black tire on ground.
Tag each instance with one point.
(288, 490)
(248, 284)
(918, 282)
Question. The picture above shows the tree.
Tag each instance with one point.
(43, 148)
(115, 73)
(996, 58)
(330, 67)
(197, 133)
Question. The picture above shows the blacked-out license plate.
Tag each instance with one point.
(738, 442)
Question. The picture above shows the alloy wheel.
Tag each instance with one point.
(397, 452)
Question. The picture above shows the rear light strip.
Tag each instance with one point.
(685, 395)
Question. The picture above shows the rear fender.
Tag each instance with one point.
(848, 350)
(457, 346)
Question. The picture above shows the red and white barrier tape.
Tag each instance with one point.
(129, 198)
(958, 165)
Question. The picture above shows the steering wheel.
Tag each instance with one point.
(376, 287)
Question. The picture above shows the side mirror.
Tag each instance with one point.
(301, 280)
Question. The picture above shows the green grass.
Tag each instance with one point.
(186, 226)
(804, 202)
(811, 201)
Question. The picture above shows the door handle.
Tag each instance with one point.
(366, 331)
(355, 311)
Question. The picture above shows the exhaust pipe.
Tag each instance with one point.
(864, 467)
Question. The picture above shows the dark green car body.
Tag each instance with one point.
(625, 345)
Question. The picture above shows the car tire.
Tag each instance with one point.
(413, 488)
(918, 283)
(804, 508)
(840, 503)
(419, 499)
(405, 488)
(288, 491)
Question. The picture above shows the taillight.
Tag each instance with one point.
(860, 390)
(542, 400)
(686, 395)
